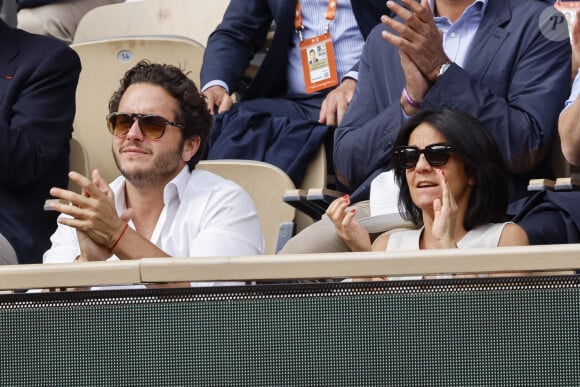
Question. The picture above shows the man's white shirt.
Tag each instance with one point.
(204, 215)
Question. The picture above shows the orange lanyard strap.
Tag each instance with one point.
(298, 26)
(331, 10)
(298, 18)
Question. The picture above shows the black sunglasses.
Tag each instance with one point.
(151, 126)
(436, 155)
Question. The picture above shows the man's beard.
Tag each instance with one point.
(165, 167)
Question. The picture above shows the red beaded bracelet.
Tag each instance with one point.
(118, 238)
(410, 100)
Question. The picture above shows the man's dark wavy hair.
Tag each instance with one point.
(474, 145)
(193, 113)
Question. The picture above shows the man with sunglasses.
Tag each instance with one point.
(161, 206)
(38, 80)
(507, 63)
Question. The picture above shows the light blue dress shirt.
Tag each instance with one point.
(458, 36)
(346, 38)
(575, 91)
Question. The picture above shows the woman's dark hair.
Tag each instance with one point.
(193, 113)
(473, 144)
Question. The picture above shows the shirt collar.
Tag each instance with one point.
(482, 2)
(174, 189)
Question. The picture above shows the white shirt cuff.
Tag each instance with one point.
(215, 83)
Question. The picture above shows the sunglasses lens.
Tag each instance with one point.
(437, 155)
(119, 124)
(407, 157)
(152, 126)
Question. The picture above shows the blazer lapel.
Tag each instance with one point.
(284, 15)
(489, 37)
(271, 74)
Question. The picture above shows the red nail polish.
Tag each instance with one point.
(353, 211)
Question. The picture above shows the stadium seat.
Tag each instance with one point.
(78, 162)
(195, 19)
(266, 185)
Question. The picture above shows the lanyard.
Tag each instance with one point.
(331, 11)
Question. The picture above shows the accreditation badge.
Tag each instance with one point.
(318, 63)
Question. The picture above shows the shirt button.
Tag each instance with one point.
(452, 34)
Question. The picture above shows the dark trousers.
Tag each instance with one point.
(283, 132)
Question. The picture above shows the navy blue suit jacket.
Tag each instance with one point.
(515, 81)
(242, 34)
(38, 79)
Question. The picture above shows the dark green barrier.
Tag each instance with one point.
(483, 332)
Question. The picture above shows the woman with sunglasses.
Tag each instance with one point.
(452, 188)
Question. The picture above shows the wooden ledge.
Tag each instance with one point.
(302, 266)
(65, 275)
(548, 258)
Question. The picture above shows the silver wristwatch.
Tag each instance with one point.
(443, 68)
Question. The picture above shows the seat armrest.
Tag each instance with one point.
(297, 199)
(322, 197)
(541, 185)
(567, 184)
